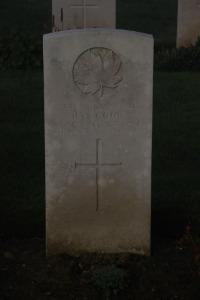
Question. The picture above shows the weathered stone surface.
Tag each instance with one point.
(77, 14)
(188, 22)
(98, 135)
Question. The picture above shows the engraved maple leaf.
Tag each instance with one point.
(96, 69)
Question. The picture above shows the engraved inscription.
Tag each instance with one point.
(97, 69)
(97, 165)
(84, 121)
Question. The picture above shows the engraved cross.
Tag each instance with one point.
(98, 165)
(83, 5)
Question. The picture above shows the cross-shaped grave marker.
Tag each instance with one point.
(84, 6)
(98, 166)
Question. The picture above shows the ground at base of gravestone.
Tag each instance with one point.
(172, 272)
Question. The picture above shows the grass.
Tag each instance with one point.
(176, 148)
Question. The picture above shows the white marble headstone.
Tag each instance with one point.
(77, 14)
(98, 136)
(188, 28)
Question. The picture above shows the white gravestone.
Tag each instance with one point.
(98, 135)
(188, 28)
(76, 14)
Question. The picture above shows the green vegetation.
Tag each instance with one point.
(21, 51)
(109, 280)
(181, 59)
(22, 25)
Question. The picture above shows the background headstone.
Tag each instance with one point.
(188, 28)
(98, 128)
(77, 14)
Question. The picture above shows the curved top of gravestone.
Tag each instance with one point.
(99, 59)
(93, 31)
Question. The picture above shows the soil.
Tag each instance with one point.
(172, 272)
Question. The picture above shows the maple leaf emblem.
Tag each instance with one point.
(96, 69)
